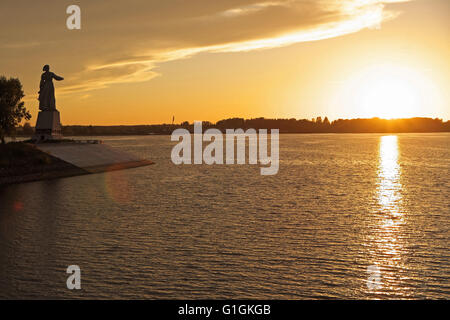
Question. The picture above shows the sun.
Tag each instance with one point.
(387, 91)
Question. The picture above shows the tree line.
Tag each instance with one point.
(317, 125)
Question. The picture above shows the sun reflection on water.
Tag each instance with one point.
(389, 185)
(387, 236)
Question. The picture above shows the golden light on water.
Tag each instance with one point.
(387, 240)
(389, 185)
(386, 224)
(389, 196)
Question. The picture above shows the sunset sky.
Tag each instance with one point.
(144, 61)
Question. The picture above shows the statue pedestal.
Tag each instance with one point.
(48, 126)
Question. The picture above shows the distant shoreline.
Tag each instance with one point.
(168, 134)
(291, 126)
(283, 133)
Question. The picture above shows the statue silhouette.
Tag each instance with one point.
(47, 90)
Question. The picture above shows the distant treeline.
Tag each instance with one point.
(317, 125)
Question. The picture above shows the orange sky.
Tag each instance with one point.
(141, 62)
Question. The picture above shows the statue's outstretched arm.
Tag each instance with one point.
(57, 77)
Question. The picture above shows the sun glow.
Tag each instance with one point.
(388, 91)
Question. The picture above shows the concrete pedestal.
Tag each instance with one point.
(48, 126)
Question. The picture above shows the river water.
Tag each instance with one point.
(340, 206)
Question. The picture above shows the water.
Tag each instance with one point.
(339, 204)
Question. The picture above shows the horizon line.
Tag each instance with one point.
(261, 118)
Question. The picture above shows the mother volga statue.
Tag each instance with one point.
(47, 90)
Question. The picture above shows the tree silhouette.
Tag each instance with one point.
(12, 109)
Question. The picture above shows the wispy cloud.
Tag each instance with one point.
(251, 8)
(126, 48)
(20, 45)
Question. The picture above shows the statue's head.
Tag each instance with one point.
(46, 68)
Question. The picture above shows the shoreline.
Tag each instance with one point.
(22, 162)
(285, 126)
(34, 165)
(168, 134)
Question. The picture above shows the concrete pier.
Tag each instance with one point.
(93, 157)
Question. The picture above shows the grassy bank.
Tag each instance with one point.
(23, 162)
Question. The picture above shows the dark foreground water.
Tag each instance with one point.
(339, 205)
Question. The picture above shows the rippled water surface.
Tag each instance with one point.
(339, 205)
